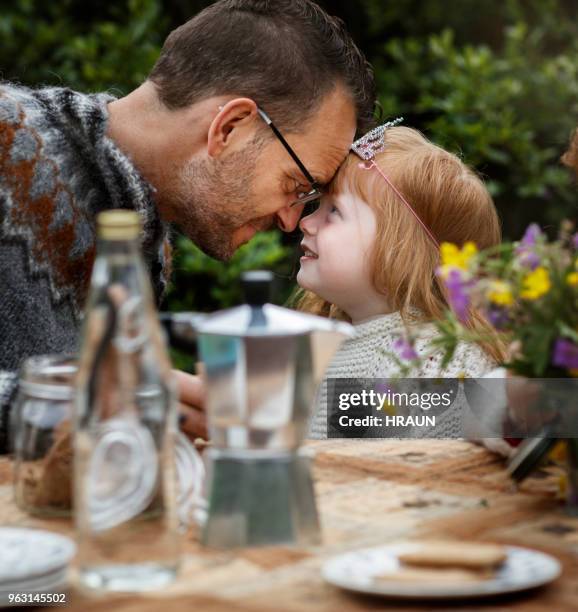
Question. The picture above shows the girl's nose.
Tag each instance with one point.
(308, 224)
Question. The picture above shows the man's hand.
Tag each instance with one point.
(191, 393)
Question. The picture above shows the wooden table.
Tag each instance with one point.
(369, 493)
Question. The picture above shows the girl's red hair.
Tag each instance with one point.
(450, 199)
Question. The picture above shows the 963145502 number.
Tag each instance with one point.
(36, 598)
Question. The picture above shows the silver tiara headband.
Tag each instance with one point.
(367, 147)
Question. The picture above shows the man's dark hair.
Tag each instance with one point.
(284, 54)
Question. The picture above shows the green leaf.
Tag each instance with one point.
(567, 332)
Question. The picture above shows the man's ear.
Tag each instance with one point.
(233, 124)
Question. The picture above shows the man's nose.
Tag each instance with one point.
(288, 217)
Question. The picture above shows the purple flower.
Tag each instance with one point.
(404, 349)
(458, 292)
(575, 241)
(528, 259)
(384, 387)
(498, 317)
(526, 256)
(565, 354)
(531, 235)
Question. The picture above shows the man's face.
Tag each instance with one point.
(224, 201)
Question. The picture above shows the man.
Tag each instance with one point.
(248, 112)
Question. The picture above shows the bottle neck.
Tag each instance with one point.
(119, 262)
(128, 247)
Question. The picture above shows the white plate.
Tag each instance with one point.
(43, 583)
(32, 553)
(122, 473)
(357, 571)
(192, 506)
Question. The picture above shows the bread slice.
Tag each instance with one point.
(466, 555)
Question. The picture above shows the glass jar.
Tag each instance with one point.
(42, 435)
(41, 431)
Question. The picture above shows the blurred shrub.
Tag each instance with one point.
(509, 114)
(88, 45)
(495, 81)
(204, 284)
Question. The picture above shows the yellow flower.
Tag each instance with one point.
(500, 293)
(388, 407)
(572, 279)
(558, 453)
(454, 257)
(536, 284)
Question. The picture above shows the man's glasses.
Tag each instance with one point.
(315, 192)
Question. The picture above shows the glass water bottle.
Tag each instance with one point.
(125, 498)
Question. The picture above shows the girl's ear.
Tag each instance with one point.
(235, 122)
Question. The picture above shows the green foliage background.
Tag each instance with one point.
(494, 80)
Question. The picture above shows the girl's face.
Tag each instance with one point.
(337, 243)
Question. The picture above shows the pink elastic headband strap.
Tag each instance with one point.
(426, 229)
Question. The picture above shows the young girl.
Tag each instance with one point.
(371, 253)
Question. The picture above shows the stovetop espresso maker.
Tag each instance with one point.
(262, 365)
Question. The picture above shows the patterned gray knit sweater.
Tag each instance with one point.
(58, 169)
(368, 354)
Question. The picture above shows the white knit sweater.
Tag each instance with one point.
(368, 355)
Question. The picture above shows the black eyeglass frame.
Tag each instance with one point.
(316, 192)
